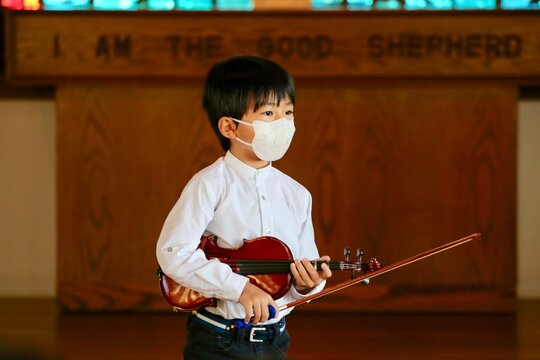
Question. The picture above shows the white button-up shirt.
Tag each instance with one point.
(234, 202)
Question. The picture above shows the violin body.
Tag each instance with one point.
(263, 248)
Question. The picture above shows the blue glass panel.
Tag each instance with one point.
(160, 4)
(387, 5)
(234, 4)
(428, 4)
(66, 4)
(326, 4)
(115, 4)
(360, 4)
(194, 5)
(519, 4)
(475, 4)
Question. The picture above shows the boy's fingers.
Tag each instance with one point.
(296, 274)
(256, 313)
(248, 313)
(301, 274)
(301, 270)
(310, 269)
(326, 271)
(294, 271)
(310, 273)
(264, 312)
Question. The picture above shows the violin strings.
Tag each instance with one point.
(280, 266)
(286, 262)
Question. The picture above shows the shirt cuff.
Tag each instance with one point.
(237, 285)
(297, 296)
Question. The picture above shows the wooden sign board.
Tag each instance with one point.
(61, 46)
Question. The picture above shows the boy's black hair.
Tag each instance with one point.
(231, 84)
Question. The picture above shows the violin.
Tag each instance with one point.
(264, 260)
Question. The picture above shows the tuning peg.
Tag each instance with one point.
(359, 254)
(346, 253)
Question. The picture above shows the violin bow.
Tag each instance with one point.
(382, 270)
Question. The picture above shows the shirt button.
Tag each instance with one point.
(169, 249)
(268, 231)
(263, 197)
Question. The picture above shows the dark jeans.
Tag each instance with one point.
(206, 344)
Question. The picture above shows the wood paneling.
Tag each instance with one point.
(395, 169)
(124, 155)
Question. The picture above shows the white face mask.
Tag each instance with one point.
(272, 138)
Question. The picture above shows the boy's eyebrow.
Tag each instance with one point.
(274, 103)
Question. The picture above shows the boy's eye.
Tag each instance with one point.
(289, 112)
(268, 113)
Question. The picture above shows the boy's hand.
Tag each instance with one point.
(255, 302)
(306, 277)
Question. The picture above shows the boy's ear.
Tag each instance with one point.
(227, 127)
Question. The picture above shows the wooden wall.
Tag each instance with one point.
(390, 173)
(397, 163)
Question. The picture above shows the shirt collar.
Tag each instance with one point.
(245, 169)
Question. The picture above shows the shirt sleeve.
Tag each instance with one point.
(176, 249)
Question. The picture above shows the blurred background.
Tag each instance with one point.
(418, 123)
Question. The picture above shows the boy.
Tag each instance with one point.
(250, 103)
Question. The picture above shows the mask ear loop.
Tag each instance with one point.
(240, 121)
(244, 123)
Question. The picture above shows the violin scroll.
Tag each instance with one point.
(374, 264)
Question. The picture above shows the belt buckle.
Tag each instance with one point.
(252, 333)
